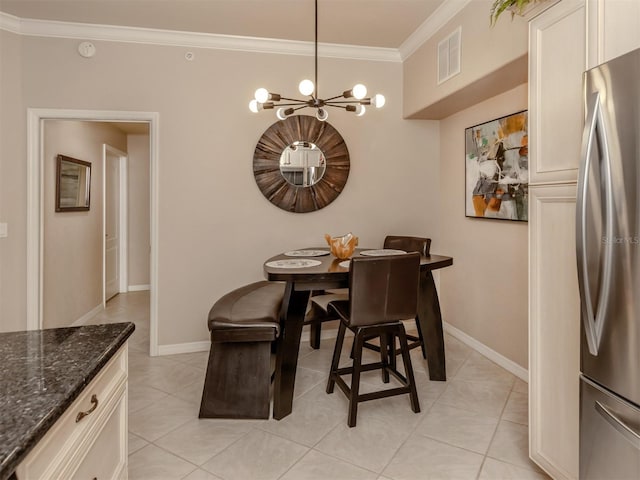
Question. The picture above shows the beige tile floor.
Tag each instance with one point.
(474, 426)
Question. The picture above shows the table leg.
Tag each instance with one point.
(430, 324)
(288, 344)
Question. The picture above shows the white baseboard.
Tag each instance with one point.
(138, 288)
(492, 355)
(184, 348)
(328, 333)
(87, 316)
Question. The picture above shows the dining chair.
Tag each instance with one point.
(383, 291)
(408, 244)
(318, 312)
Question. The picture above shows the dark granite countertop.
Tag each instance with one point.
(43, 372)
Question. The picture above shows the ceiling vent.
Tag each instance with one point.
(449, 56)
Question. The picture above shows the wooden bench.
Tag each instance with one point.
(243, 324)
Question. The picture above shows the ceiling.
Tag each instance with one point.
(374, 23)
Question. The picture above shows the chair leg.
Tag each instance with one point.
(336, 358)
(314, 335)
(384, 356)
(408, 369)
(393, 353)
(355, 378)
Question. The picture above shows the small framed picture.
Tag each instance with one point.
(73, 184)
(497, 168)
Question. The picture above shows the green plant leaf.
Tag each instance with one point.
(499, 6)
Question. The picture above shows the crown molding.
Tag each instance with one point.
(438, 19)
(10, 23)
(111, 33)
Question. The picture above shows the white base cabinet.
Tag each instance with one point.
(92, 445)
(554, 331)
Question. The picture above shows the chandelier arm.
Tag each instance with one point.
(304, 104)
(294, 99)
(335, 106)
(357, 102)
(333, 98)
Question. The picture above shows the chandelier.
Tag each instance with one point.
(353, 100)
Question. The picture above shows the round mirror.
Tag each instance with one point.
(302, 164)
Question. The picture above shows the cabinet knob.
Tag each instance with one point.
(94, 403)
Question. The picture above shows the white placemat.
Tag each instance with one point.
(298, 263)
(344, 264)
(306, 253)
(381, 253)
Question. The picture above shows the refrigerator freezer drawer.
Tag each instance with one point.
(609, 435)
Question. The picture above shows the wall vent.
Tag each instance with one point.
(449, 56)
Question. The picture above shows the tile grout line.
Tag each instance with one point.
(412, 431)
(484, 459)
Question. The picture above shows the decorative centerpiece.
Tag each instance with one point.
(342, 247)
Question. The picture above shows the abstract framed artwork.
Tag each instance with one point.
(497, 168)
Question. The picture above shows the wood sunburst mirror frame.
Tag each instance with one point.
(266, 164)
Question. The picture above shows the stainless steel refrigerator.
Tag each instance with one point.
(608, 255)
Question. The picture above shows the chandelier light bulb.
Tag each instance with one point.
(322, 114)
(280, 113)
(306, 87)
(360, 110)
(262, 95)
(359, 91)
(253, 106)
(379, 100)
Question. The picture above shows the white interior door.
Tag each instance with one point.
(112, 225)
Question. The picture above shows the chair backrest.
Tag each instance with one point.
(408, 244)
(383, 289)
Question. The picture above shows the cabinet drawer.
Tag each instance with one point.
(68, 437)
(107, 455)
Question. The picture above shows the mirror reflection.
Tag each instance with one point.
(302, 164)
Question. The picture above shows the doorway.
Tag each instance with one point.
(35, 189)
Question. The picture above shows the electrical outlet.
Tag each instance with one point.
(4, 230)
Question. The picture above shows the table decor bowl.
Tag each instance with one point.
(342, 247)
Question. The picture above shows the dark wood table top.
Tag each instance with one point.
(330, 269)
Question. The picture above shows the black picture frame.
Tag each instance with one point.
(73, 184)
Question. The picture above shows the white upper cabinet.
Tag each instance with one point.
(614, 29)
(557, 61)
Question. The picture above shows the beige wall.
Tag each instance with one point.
(13, 192)
(485, 293)
(485, 50)
(72, 241)
(215, 227)
(139, 198)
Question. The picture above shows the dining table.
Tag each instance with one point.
(319, 270)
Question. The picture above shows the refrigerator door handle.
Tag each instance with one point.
(594, 131)
(625, 430)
